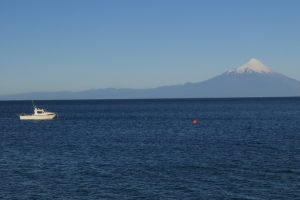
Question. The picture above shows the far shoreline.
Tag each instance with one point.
(159, 99)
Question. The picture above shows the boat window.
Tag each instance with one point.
(39, 112)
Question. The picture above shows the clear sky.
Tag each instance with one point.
(75, 45)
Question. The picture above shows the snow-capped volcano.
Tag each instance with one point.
(252, 79)
(253, 66)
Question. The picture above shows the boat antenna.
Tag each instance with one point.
(32, 104)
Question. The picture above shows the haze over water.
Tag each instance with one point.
(150, 149)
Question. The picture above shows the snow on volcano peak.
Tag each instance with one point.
(253, 65)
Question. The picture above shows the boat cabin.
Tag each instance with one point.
(38, 111)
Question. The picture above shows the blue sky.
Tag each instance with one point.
(76, 44)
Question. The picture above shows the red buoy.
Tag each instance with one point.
(195, 121)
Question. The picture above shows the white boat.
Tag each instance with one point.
(39, 114)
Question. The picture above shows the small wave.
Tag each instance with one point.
(288, 171)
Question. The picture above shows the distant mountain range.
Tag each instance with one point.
(253, 79)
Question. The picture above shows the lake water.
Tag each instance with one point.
(150, 149)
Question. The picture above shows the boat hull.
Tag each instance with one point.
(37, 117)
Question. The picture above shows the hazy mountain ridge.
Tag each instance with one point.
(253, 79)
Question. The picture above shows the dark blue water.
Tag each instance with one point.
(150, 149)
